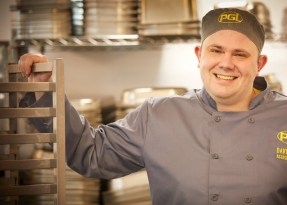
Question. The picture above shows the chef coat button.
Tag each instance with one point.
(251, 120)
(101, 130)
(214, 197)
(247, 199)
(249, 157)
(215, 156)
(217, 119)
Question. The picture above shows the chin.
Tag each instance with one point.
(222, 94)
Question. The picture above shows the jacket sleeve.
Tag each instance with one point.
(109, 151)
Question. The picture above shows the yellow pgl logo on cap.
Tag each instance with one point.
(230, 17)
(282, 136)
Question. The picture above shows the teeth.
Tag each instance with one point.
(225, 77)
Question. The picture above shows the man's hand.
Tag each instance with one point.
(25, 64)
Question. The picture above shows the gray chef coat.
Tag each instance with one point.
(193, 154)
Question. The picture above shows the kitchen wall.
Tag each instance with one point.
(96, 73)
(93, 73)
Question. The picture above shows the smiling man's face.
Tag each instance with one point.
(228, 62)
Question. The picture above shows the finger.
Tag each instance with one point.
(21, 64)
(43, 59)
(33, 58)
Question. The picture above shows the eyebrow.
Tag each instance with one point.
(214, 45)
(235, 50)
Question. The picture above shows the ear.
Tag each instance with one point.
(197, 51)
(261, 63)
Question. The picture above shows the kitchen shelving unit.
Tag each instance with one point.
(9, 162)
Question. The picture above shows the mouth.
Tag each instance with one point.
(224, 77)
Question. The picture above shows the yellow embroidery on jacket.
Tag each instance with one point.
(281, 153)
(282, 136)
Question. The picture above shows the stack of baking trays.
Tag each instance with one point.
(129, 190)
(175, 17)
(97, 111)
(134, 189)
(42, 19)
(104, 17)
(79, 189)
(132, 98)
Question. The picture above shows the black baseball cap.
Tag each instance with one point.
(233, 19)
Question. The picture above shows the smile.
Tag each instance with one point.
(223, 77)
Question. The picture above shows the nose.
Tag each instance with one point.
(226, 62)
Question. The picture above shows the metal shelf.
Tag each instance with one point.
(109, 40)
(27, 87)
(26, 139)
(115, 41)
(27, 112)
(7, 181)
(28, 164)
(28, 190)
(9, 161)
(40, 67)
(7, 157)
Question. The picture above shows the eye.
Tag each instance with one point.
(240, 55)
(215, 51)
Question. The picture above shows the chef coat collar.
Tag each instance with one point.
(260, 83)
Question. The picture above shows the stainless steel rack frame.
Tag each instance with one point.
(9, 186)
(99, 41)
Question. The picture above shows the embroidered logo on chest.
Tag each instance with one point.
(282, 152)
(282, 136)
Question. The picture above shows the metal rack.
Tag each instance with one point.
(109, 40)
(9, 161)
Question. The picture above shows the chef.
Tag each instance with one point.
(223, 144)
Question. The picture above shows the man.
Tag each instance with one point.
(223, 144)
